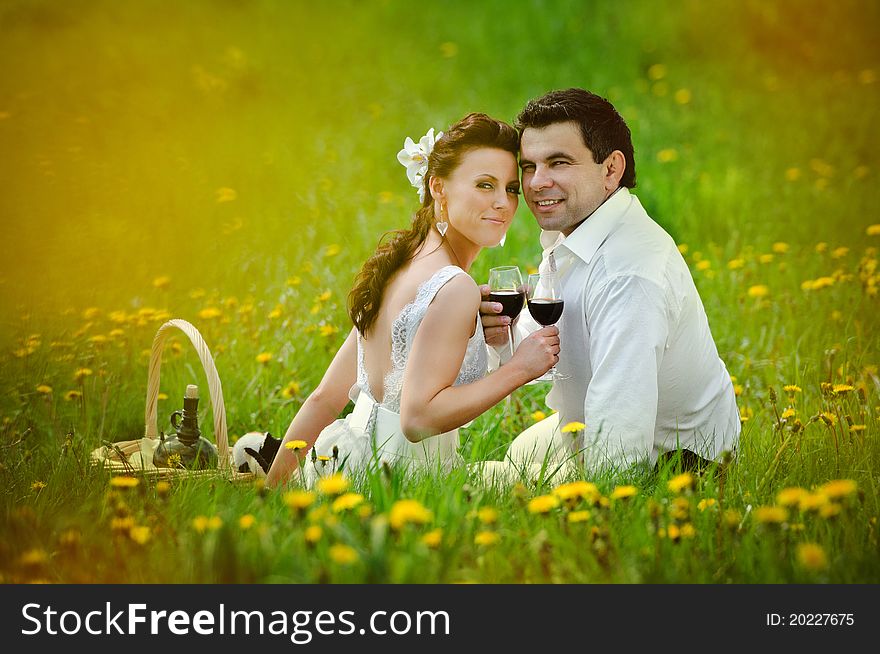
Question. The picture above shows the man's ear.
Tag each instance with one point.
(435, 184)
(615, 164)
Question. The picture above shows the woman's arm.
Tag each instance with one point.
(321, 408)
(430, 404)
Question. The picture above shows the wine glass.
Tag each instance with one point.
(546, 304)
(506, 288)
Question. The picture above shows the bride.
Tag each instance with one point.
(415, 361)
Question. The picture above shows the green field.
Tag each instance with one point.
(232, 163)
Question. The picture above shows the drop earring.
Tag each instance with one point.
(442, 225)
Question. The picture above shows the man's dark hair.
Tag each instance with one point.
(602, 128)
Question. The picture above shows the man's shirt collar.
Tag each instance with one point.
(590, 234)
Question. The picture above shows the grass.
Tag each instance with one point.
(232, 164)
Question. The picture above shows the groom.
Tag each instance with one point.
(641, 369)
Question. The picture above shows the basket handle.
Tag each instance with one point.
(214, 388)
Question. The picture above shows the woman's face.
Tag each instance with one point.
(482, 194)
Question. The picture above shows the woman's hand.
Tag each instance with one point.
(538, 352)
(494, 326)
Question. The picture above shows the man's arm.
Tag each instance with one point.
(629, 326)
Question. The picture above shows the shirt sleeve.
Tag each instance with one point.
(628, 326)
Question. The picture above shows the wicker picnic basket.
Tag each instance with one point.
(136, 456)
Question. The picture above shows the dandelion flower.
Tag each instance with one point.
(404, 512)
(162, 282)
(226, 194)
(200, 523)
(72, 395)
(857, 428)
(657, 72)
(681, 482)
(573, 427)
(735, 264)
(38, 486)
(296, 445)
(791, 389)
(873, 230)
(487, 515)
(780, 247)
(335, 484)
(682, 96)
(811, 556)
(44, 389)
(788, 413)
(299, 499)
(123, 481)
(328, 330)
(82, 373)
(758, 291)
(624, 492)
(332, 250)
(291, 390)
(264, 357)
(790, 496)
(343, 554)
(433, 538)
(246, 521)
(838, 488)
(704, 265)
(162, 487)
(139, 535)
(346, 502)
(538, 416)
(842, 389)
(688, 531)
(543, 504)
(578, 516)
(486, 538)
(667, 155)
(771, 514)
(313, 534)
(830, 510)
(209, 313)
(705, 503)
(576, 490)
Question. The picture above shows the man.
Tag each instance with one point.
(639, 364)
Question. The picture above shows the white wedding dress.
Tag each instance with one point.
(370, 436)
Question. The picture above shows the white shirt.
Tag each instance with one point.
(644, 372)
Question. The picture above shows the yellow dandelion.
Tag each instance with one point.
(343, 554)
(732, 518)
(296, 445)
(433, 538)
(335, 484)
(788, 413)
(486, 538)
(214, 523)
(323, 457)
(33, 557)
(264, 357)
(328, 330)
(624, 492)
(811, 556)
(682, 96)
(139, 534)
(857, 428)
(72, 395)
(162, 396)
(538, 416)
(791, 389)
(746, 414)
(313, 534)
(299, 499)
(276, 312)
(332, 250)
(765, 258)
(326, 295)
(246, 521)
(758, 291)
(44, 389)
(838, 488)
(842, 389)
(209, 313)
(667, 155)
(793, 174)
(578, 516)
(365, 511)
(681, 482)
(705, 503)
(790, 496)
(838, 253)
(573, 427)
(38, 485)
(828, 418)
(163, 487)
(873, 230)
(162, 282)
(404, 512)
(683, 248)
(688, 531)
(543, 504)
(830, 510)
(82, 373)
(291, 390)
(346, 502)
(123, 481)
(200, 523)
(771, 514)
(735, 264)
(780, 248)
(705, 264)
(487, 515)
(577, 490)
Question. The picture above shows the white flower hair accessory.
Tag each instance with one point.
(414, 157)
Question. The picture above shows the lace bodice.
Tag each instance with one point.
(403, 334)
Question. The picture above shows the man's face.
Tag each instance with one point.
(561, 182)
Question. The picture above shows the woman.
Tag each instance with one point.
(415, 361)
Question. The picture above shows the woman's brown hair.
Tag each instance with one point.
(476, 130)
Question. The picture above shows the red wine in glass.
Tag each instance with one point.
(546, 311)
(511, 302)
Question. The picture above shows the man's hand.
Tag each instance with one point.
(494, 326)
